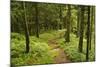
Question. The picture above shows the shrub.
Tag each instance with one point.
(39, 52)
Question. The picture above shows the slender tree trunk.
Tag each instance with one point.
(36, 20)
(94, 21)
(88, 35)
(94, 28)
(78, 21)
(67, 33)
(91, 23)
(60, 16)
(26, 29)
(81, 29)
(46, 22)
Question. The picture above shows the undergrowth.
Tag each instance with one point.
(41, 52)
(71, 49)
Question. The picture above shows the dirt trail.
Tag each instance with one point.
(61, 56)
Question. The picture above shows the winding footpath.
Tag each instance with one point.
(61, 56)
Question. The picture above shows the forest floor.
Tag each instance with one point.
(50, 48)
(61, 56)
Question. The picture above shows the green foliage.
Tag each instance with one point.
(51, 18)
(17, 36)
(39, 52)
(71, 49)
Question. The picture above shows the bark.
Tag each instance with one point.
(78, 21)
(67, 34)
(26, 29)
(60, 16)
(91, 24)
(88, 35)
(36, 20)
(81, 29)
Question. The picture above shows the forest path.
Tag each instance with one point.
(61, 56)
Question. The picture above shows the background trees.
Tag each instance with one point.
(73, 21)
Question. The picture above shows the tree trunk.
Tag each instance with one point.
(78, 21)
(36, 20)
(88, 35)
(94, 22)
(81, 29)
(91, 23)
(60, 16)
(67, 33)
(26, 29)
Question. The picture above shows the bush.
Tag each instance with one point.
(71, 49)
(17, 36)
(39, 52)
(42, 52)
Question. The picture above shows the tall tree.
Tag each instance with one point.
(88, 35)
(94, 20)
(78, 20)
(91, 25)
(81, 29)
(60, 15)
(36, 20)
(67, 33)
(26, 29)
